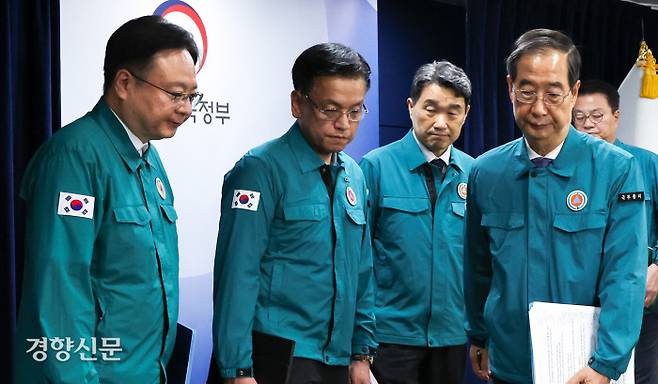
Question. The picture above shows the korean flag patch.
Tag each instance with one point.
(72, 204)
(243, 199)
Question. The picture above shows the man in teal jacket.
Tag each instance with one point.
(555, 216)
(417, 198)
(100, 291)
(597, 113)
(293, 254)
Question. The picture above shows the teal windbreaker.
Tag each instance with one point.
(573, 232)
(110, 273)
(277, 270)
(417, 255)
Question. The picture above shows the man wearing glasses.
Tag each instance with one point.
(555, 216)
(293, 253)
(417, 199)
(100, 289)
(597, 113)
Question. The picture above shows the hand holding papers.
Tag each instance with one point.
(563, 338)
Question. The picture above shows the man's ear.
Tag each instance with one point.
(121, 84)
(410, 105)
(296, 104)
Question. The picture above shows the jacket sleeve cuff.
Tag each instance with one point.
(478, 342)
(363, 349)
(229, 373)
(604, 369)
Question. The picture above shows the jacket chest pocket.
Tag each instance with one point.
(354, 229)
(169, 213)
(169, 223)
(505, 231)
(132, 224)
(311, 212)
(132, 215)
(579, 233)
(129, 240)
(405, 204)
(305, 223)
(356, 216)
(459, 209)
(398, 213)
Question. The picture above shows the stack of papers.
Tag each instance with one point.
(563, 337)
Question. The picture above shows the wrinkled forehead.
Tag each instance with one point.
(547, 68)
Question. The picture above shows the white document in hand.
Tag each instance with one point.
(563, 337)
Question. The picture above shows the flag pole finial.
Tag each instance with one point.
(646, 60)
(645, 55)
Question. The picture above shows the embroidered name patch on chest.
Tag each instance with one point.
(630, 196)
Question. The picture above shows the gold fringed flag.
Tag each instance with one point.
(638, 103)
(646, 60)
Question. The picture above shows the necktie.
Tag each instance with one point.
(429, 178)
(441, 165)
(328, 179)
(541, 162)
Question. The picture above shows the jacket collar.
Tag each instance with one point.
(118, 136)
(414, 157)
(307, 159)
(565, 163)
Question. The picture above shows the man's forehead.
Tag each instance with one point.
(552, 57)
(591, 101)
(441, 94)
(540, 82)
(546, 67)
(339, 90)
(170, 59)
(324, 80)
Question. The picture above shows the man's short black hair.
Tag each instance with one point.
(135, 43)
(444, 74)
(328, 59)
(589, 87)
(539, 40)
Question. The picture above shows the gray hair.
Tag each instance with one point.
(539, 40)
(442, 73)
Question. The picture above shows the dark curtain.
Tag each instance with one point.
(30, 111)
(607, 33)
(412, 33)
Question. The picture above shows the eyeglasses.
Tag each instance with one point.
(594, 116)
(530, 97)
(176, 97)
(331, 113)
